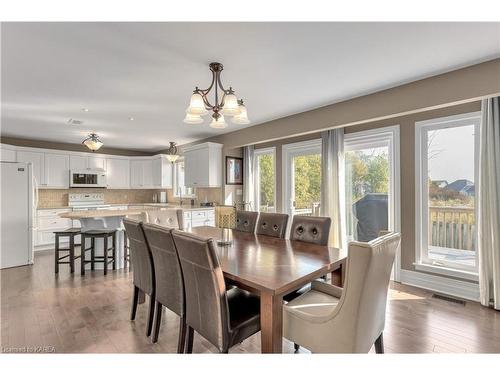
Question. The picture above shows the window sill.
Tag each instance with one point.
(462, 274)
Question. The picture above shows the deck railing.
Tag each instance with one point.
(452, 227)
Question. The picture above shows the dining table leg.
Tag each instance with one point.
(338, 275)
(271, 323)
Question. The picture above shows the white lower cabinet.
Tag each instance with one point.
(49, 221)
(199, 218)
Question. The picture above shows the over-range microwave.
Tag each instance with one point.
(88, 178)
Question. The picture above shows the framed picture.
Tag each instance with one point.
(234, 171)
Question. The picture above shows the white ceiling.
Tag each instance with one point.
(50, 71)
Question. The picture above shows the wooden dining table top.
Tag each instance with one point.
(271, 265)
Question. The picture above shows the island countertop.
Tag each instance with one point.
(75, 215)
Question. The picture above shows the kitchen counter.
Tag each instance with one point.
(76, 215)
(185, 207)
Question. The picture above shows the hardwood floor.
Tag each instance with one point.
(68, 313)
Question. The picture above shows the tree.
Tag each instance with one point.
(307, 170)
(266, 179)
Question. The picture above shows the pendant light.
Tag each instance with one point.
(93, 142)
(172, 154)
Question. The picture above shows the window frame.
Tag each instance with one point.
(260, 152)
(388, 136)
(422, 260)
(175, 187)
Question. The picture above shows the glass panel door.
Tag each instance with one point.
(302, 178)
(265, 180)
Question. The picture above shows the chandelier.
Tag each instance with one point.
(225, 103)
(93, 142)
(172, 154)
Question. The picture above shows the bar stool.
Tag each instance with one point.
(71, 233)
(105, 258)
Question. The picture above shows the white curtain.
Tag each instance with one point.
(332, 184)
(489, 204)
(248, 178)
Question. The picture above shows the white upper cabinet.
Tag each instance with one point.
(162, 172)
(151, 173)
(96, 162)
(87, 162)
(37, 159)
(118, 173)
(51, 170)
(7, 154)
(77, 162)
(56, 171)
(203, 165)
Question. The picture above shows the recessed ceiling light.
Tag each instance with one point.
(131, 118)
(85, 109)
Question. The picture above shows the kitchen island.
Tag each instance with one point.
(104, 219)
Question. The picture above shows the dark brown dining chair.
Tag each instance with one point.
(143, 269)
(310, 229)
(168, 282)
(223, 317)
(271, 224)
(246, 221)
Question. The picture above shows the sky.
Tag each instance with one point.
(451, 154)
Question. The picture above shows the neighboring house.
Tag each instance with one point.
(464, 187)
(440, 183)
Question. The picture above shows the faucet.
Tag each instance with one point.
(180, 196)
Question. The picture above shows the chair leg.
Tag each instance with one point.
(114, 251)
(82, 255)
(135, 301)
(151, 314)
(379, 344)
(157, 322)
(105, 247)
(92, 254)
(56, 254)
(182, 336)
(190, 337)
(72, 253)
(296, 347)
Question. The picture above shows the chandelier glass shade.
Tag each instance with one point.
(225, 103)
(93, 142)
(172, 153)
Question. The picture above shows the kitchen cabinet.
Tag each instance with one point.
(56, 171)
(48, 221)
(37, 159)
(203, 165)
(118, 173)
(141, 174)
(7, 154)
(151, 173)
(87, 162)
(199, 218)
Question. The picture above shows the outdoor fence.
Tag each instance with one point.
(452, 227)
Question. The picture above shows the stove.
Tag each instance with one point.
(87, 201)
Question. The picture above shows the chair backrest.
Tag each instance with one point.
(170, 217)
(140, 256)
(206, 299)
(169, 281)
(246, 221)
(311, 229)
(363, 302)
(271, 224)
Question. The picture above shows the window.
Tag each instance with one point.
(302, 178)
(446, 173)
(372, 185)
(178, 175)
(265, 179)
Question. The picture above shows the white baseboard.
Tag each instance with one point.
(451, 287)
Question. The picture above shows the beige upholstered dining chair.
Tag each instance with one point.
(170, 217)
(329, 319)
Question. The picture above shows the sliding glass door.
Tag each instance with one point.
(265, 179)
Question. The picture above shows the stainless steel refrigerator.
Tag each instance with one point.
(17, 214)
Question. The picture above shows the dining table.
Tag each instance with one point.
(272, 268)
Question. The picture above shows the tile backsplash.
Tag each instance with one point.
(52, 198)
